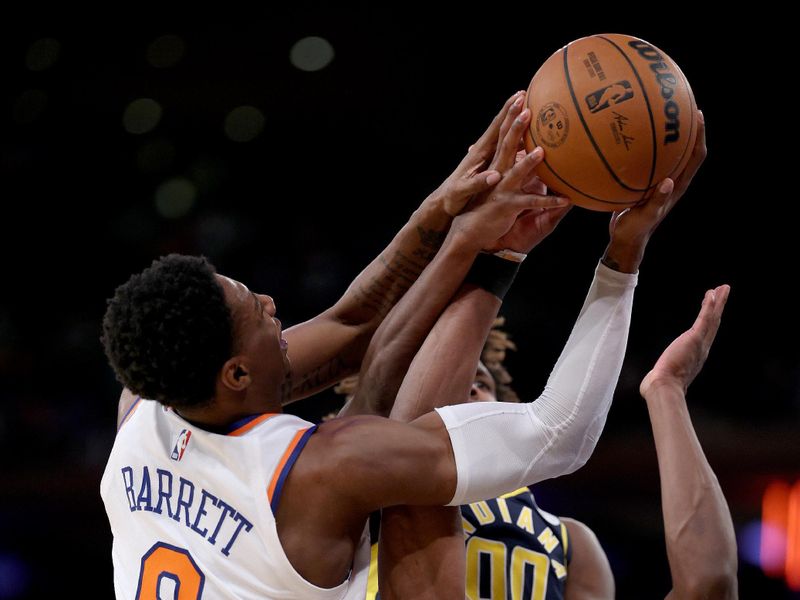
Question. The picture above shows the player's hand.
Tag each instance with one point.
(472, 176)
(493, 215)
(680, 363)
(630, 229)
(534, 225)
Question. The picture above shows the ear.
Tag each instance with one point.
(235, 374)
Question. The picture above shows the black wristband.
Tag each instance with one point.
(492, 273)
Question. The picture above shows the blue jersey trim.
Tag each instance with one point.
(276, 496)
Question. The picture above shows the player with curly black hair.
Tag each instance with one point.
(223, 498)
(146, 331)
(209, 487)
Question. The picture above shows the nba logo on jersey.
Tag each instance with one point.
(180, 444)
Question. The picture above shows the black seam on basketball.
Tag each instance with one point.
(589, 133)
(567, 183)
(649, 110)
(604, 201)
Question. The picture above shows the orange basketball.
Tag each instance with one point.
(615, 116)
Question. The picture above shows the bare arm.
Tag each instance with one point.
(349, 468)
(589, 575)
(421, 552)
(401, 334)
(701, 544)
(331, 346)
(336, 482)
(422, 548)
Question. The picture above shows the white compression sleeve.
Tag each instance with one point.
(501, 446)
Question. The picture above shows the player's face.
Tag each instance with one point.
(257, 333)
(483, 387)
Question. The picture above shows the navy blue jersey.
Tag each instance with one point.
(514, 549)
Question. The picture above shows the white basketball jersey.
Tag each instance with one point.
(192, 512)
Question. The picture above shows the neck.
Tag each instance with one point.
(223, 411)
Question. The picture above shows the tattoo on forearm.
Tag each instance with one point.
(431, 238)
(323, 376)
(382, 291)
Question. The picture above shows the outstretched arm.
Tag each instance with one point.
(701, 545)
(420, 546)
(401, 334)
(421, 552)
(331, 346)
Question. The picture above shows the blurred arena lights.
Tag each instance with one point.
(311, 53)
(42, 54)
(244, 123)
(778, 535)
(165, 51)
(141, 116)
(175, 197)
(793, 540)
(774, 523)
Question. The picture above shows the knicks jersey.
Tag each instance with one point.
(192, 512)
(514, 550)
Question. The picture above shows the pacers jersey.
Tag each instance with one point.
(192, 512)
(514, 550)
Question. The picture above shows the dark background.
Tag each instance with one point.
(345, 155)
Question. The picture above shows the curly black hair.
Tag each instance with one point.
(168, 330)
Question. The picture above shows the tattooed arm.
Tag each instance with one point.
(331, 346)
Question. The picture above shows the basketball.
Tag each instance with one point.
(615, 116)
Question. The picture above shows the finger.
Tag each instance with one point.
(721, 296)
(699, 153)
(709, 319)
(464, 188)
(531, 201)
(534, 185)
(661, 201)
(510, 142)
(513, 112)
(523, 170)
(555, 215)
(487, 143)
(722, 293)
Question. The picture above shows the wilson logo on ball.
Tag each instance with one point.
(667, 81)
(616, 93)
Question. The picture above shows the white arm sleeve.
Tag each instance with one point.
(501, 446)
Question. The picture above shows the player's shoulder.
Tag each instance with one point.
(355, 446)
(578, 528)
(349, 430)
(584, 541)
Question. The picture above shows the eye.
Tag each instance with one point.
(482, 385)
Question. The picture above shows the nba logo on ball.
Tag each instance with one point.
(616, 93)
(180, 444)
(615, 115)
